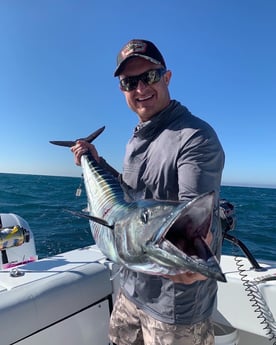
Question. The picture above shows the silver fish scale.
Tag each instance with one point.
(105, 199)
(106, 196)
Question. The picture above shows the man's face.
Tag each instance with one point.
(146, 100)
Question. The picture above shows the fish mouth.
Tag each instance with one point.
(185, 238)
(189, 236)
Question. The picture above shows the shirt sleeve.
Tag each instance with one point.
(199, 165)
(103, 163)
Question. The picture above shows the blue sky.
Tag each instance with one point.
(57, 59)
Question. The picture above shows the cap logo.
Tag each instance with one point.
(133, 47)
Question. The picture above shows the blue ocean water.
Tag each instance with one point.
(43, 200)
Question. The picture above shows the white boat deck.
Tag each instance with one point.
(53, 296)
(237, 307)
(67, 299)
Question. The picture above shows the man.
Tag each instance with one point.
(172, 155)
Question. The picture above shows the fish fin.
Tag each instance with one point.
(116, 272)
(92, 218)
(66, 143)
(94, 135)
(70, 143)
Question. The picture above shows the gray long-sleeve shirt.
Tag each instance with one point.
(173, 156)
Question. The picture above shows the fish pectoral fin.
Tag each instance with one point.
(116, 270)
(101, 221)
(98, 220)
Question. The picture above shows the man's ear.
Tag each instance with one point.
(167, 77)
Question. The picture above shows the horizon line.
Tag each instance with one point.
(223, 183)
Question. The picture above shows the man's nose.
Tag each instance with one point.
(141, 86)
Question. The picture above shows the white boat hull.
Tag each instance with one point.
(245, 301)
(67, 299)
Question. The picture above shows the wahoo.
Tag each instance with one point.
(150, 236)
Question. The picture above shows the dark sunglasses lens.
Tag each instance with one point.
(152, 76)
(149, 77)
(129, 83)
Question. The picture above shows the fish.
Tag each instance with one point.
(151, 236)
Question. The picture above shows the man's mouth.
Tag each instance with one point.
(143, 99)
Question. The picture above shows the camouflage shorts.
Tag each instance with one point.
(129, 325)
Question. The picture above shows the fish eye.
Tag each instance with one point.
(144, 216)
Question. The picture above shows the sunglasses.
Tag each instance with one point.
(150, 77)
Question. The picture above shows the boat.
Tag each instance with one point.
(68, 298)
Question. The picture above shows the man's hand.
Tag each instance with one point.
(81, 148)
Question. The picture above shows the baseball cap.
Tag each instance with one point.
(142, 48)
